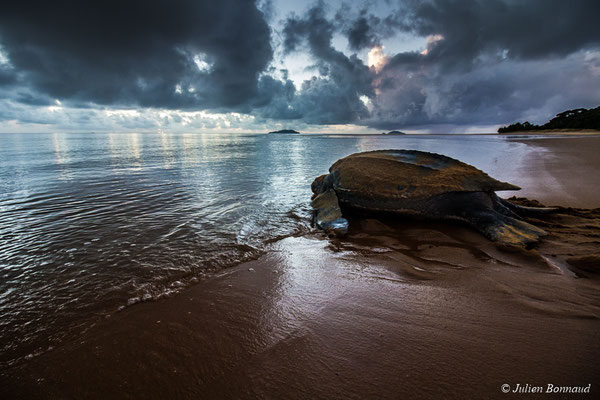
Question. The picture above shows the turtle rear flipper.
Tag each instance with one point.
(328, 213)
(524, 210)
(507, 230)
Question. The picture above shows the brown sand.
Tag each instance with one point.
(565, 171)
(556, 132)
(395, 310)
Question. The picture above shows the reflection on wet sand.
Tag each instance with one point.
(444, 314)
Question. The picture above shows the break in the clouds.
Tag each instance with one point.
(67, 64)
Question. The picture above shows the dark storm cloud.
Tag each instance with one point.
(523, 29)
(333, 96)
(493, 93)
(6, 77)
(487, 62)
(138, 52)
(364, 30)
(490, 61)
(32, 99)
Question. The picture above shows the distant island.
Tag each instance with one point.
(393, 133)
(288, 131)
(579, 118)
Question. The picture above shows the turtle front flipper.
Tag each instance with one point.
(328, 213)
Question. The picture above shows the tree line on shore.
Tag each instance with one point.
(579, 118)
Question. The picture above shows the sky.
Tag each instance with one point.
(441, 66)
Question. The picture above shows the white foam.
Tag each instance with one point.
(133, 301)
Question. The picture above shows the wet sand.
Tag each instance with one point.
(564, 171)
(396, 309)
(556, 132)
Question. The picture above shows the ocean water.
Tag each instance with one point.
(92, 222)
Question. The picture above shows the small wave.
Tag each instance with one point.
(255, 234)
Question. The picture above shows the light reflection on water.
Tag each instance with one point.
(89, 222)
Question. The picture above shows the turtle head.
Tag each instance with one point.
(317, 185)
(324, 182)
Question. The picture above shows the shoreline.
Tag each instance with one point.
(316, 318)
(399, 309)
(564, 171)
(558, 132)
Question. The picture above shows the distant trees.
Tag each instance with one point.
(579, 118)
(518, 127)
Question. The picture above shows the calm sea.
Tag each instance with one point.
(91, 223)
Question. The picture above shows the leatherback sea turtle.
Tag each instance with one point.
(419, 184)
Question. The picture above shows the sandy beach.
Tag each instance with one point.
(396, 309)
(556, 132)
(564, 171)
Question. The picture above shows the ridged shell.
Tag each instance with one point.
(409, 174)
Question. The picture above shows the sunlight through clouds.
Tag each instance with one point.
(430, 42)
(377, 58)
(200, 61)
